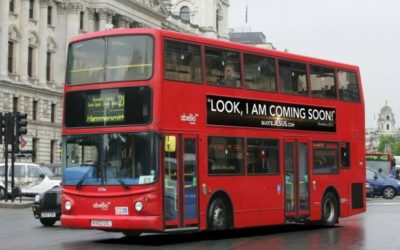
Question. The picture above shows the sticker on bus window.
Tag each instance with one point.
(144, 179)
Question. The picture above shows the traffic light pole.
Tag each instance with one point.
(14, 125)
(8, 136)
(13, 157)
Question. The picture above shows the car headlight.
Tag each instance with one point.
(138, 206)
(68, 205)
(37, 198)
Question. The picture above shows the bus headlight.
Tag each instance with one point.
(138, 206)
(68, 205)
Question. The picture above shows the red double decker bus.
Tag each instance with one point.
(166, 131)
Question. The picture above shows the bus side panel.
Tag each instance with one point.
(260, 205)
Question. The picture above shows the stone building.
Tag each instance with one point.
(385, 126)
(34, 37)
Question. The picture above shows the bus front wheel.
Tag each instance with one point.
(218, 215)
(330, 210)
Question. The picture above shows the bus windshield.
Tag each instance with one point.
(110, 159)
(118, 58)
(380, 166)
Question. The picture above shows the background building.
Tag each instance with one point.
(385, 126)
(34, 37)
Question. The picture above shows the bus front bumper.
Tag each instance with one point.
(114, 223)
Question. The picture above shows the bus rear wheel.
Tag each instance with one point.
(330, 210)
(218, 216)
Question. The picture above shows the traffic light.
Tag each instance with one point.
(20, 123)
(2, 122)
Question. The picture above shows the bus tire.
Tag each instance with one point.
(388, 192)
(330, 210)
(218, 215)
(131, 234)
(48, 222)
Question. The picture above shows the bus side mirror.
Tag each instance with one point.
(170, 143)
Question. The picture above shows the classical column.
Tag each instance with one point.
(24, 43)
(43, 43)
(103, 18)
(91, 13)
(4, 22)
(72, 19)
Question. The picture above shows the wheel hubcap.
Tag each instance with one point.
(329, 209)
(218, 218)
(389, 192)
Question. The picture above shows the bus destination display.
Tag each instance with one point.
(263, 114)
(105, 107)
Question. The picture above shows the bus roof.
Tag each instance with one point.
(212, 42)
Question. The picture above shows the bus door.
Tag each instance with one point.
(296, 180)
(180, 181)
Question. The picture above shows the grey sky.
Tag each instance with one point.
(360, 32)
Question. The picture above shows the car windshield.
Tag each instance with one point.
(47, 171)
(108, 159)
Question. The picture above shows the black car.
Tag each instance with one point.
(47, 206)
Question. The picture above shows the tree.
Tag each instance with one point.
(389, 143)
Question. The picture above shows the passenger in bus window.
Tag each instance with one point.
(228, 79)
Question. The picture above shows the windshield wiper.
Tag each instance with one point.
(90, 170)
(122, 183)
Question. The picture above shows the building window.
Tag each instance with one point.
(10, 56)
(114, 21)
(35, 142)
(53, 113)
(30, 62)
(387, 127)
(48, 66)
(34, 109)
(184, 14)
(12, 7)
(49, 13)
(31, 3)
(82, 15)
(15, 104)
(53, 145)
(96, 21)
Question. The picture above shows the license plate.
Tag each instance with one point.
(48, 215)
(101, 223)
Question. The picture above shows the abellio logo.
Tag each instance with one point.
(103, 205)
(190, 118)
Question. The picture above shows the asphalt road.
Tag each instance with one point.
(378, 228)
